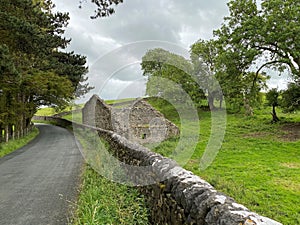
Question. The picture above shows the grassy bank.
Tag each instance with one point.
(12, 145)
(258, 164)
(104, 202)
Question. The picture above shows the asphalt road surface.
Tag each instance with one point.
(39, 182)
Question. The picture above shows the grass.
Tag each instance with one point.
(102, 201)
(50, 111)
(47, 111)
(255, 165)
(12, 145)
(119, 100)
(76, 117)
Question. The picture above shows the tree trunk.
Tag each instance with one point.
(211, 102)
(248, 108)
(221, 102)
(274, 115)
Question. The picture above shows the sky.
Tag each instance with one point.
(115, 45)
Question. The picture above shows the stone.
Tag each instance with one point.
(139, 122)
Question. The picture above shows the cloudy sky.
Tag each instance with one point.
(114, 45)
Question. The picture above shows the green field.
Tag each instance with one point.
(50, 111)
(119, 100)
(258, 164)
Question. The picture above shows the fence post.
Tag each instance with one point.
(13, 132)
(6, 134)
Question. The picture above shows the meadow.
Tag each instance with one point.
(258, 164)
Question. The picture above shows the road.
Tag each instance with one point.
(39, 182)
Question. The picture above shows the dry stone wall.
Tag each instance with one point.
(175, 196)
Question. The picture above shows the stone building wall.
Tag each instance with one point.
(149, 125)
(139, 122)
(97, 113)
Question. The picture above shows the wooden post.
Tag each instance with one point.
(6, 134)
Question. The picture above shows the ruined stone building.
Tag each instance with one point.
(138, 121)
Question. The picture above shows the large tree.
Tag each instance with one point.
(34, 69)
(227, 66)
(204, 55)
(159, 63)
(265, 36)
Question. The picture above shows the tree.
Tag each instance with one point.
(204, 55)
(8, 90)
(230, 66)
(272, 97)
(267, 34)
(271, 32)
(291, 97)
(161, 63)
(34, 70)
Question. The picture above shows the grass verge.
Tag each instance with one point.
(102, 201)
(12, 145)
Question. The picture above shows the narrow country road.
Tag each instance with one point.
(39, 182)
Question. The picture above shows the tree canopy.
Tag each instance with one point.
(159, 63)
(252, 34)
(271, 31)
(291, 97)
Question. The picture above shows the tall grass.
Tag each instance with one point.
(102, 201)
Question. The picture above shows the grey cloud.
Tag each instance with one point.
(175, 21)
